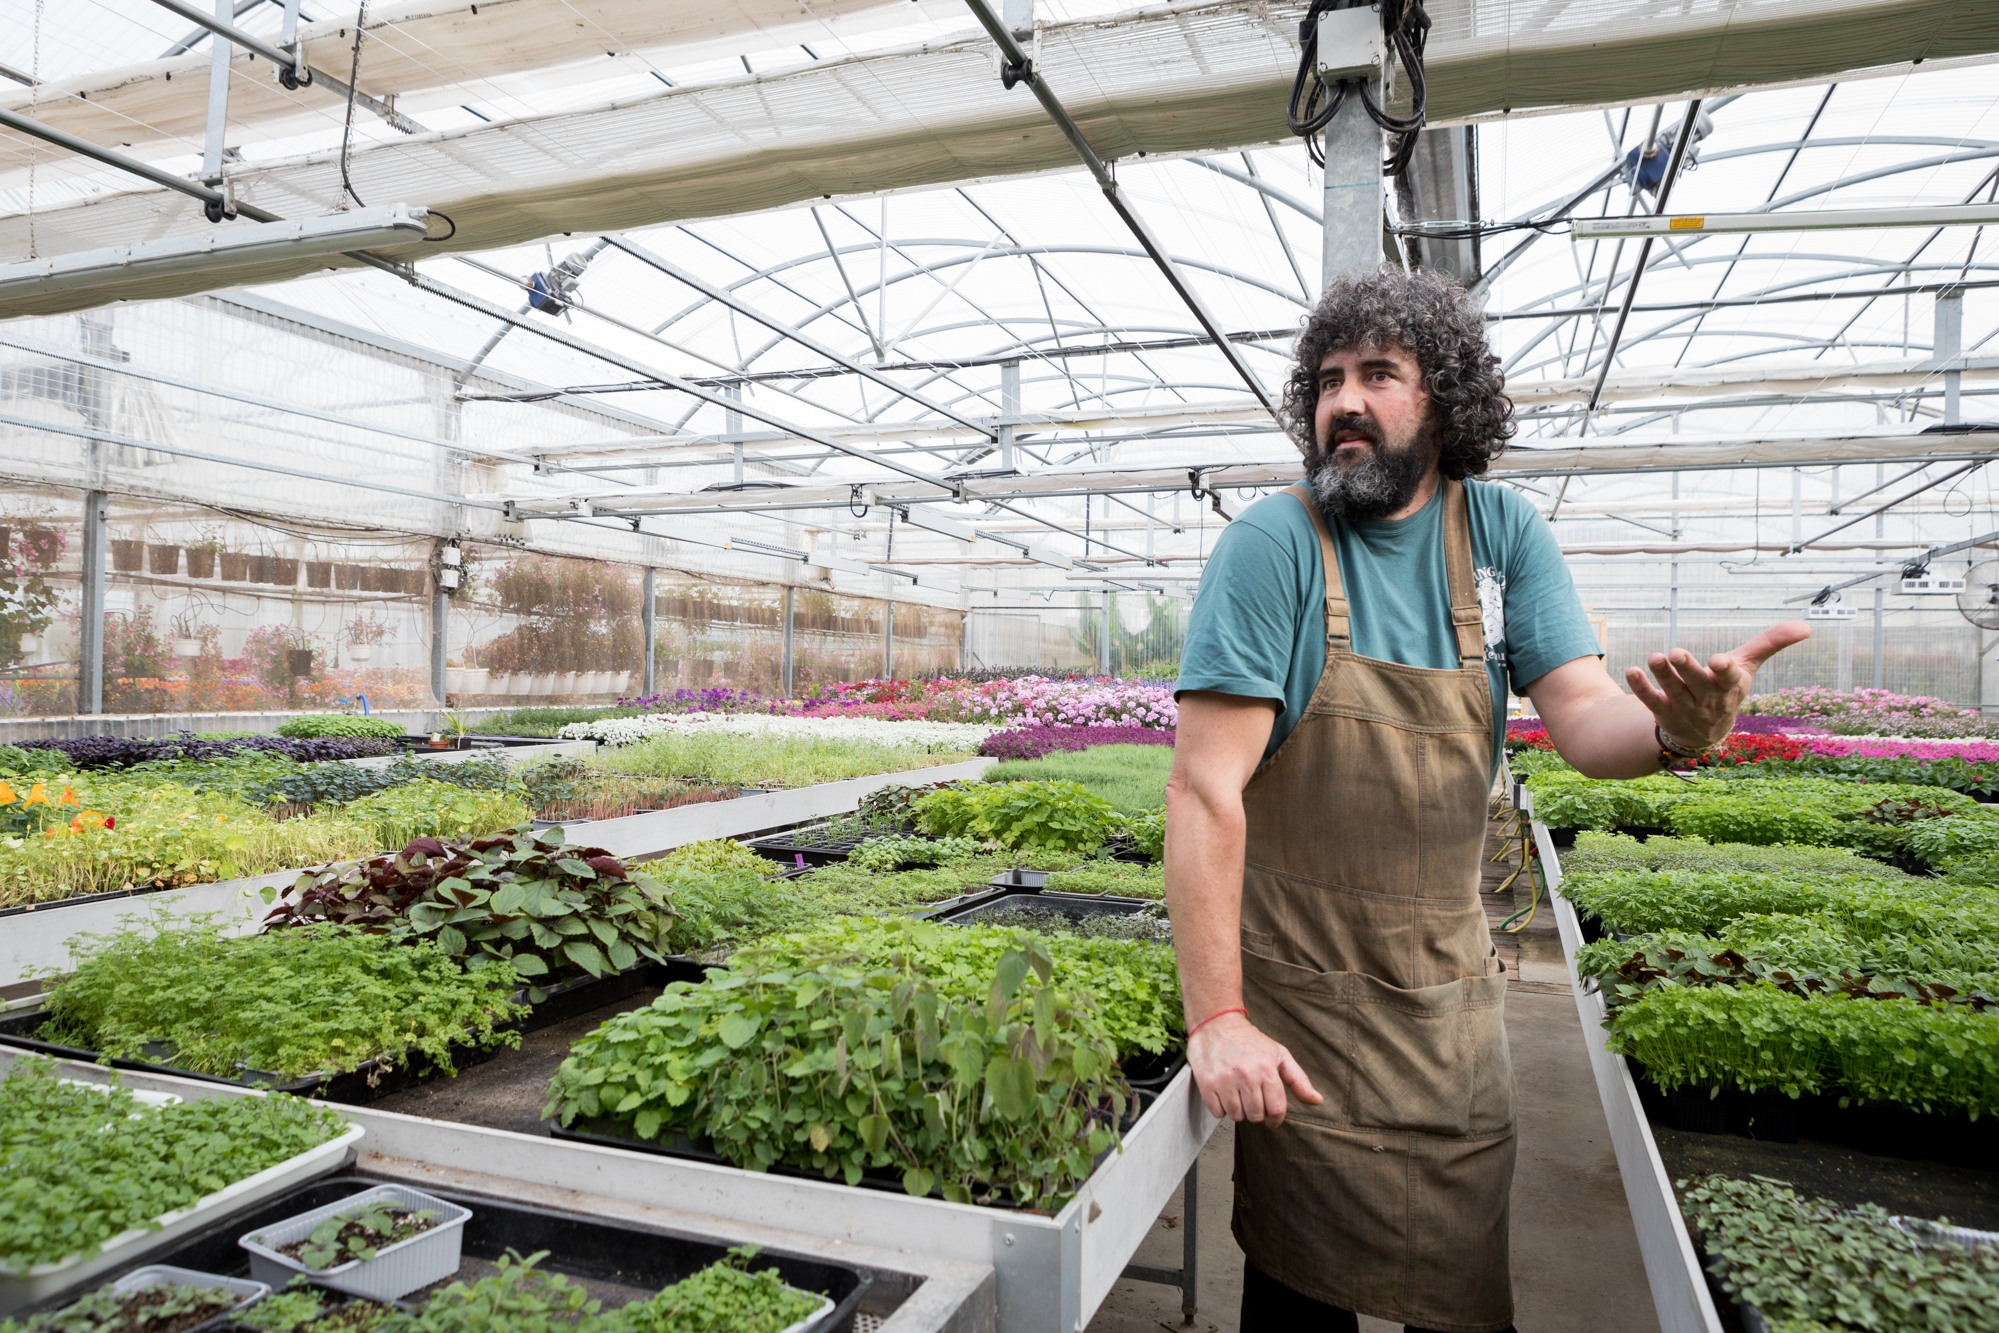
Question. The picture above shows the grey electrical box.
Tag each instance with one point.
(1930, 585)
(1350, 44)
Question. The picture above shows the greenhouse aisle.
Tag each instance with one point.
(1576, 1267)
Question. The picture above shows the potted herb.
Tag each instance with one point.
(364, 631)
(163, 559)
(127, 554)
(201, 558)
(382, 1243)
(187, 635)
(235, 566)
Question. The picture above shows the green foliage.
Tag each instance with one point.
(717, 856)
(287, 1004)
(339, 724)
(162, 1306)
(1148, 833)
(518, 1298)
(287, 1311)
(67, 1184)
(1135, 986)
(16, 762)
(519, 898)
(1811, 1266)
(1596, 852)
(723, 910)
(427, 808)
(1960, 837)
(1803, 955)
(1119, 878)
(1131, 777)
(842, 1066)
(1019, 816)
(1759, 1038)
(736, 759)
(1151, 924)
(554, 781)
(358, 1234)
(893, 853)
(546, 722)
(1637, 902)
(724, 1297)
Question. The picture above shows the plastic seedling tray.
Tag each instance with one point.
(23, 1287)
(636, 1260)
(1075, 906)
(395, 1271)
(164, 1275)
(352, 1087)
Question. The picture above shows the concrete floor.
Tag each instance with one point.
(1576, 1267)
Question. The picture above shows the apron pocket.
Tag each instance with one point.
(1301, 1009)
(1431, 1060)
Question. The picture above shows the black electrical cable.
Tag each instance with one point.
(353, 81)
(440, 213)
(1406, 27)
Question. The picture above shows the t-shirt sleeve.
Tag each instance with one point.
(1244, 625)
(1545, 622)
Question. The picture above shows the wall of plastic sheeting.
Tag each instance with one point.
(40, 601)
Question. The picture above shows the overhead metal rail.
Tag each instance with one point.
(1828, 219)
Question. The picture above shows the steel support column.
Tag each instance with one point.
(888, 640)
(790, 663)
(1009, 408)
(1104, 639)
(1352, 207)
(649, 615)
(218, 97)
(440, 637)
(1947, 347)
(90, 667)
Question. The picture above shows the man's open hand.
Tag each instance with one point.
(1696, 704)
(1243, 1074)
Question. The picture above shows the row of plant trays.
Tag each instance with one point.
(251, 1254)
(371, 1081)
(811, 845)
(1685, 1281)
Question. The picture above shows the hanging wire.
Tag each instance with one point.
(347, 125)
(1406, 26)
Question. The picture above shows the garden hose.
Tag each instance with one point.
(1507, 927)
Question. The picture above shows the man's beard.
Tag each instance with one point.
(1382, 480)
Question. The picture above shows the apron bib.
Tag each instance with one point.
(1365, 952)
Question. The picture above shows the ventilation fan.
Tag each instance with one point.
(1979, 602)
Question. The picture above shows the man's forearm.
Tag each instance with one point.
(1611, 738)
(1204, 860)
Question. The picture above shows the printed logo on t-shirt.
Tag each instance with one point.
(1491, 584)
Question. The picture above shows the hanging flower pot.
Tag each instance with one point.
(163, 559)
(235, 567)
(360, 652)
(127, 555)
(31, 643)
(201, 562)
(282, 571)
(319, 573)
(187, 647)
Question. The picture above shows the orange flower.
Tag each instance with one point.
(7, 796)
(36, 796)
(68, 797)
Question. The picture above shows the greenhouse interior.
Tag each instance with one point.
(597, 599)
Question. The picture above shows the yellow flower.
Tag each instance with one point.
(36, 795)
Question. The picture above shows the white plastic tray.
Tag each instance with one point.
(396, 1270)
(19, 1288)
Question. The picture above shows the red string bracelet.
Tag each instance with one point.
(1211, 1018)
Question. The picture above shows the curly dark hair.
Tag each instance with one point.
(1434, 319)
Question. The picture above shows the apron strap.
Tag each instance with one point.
(1467, 617)
(1339, 624)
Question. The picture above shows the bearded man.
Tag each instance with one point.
(1342, 703)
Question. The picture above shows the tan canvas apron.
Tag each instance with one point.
(1365, 952)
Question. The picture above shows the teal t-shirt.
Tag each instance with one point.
(1258, 627)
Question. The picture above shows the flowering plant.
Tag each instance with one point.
(21, 815)
(1034, 742)
(927, 736)
(1870, 711)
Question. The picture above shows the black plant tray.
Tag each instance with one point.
(1881, 1131)
(607, 1133)
(1075, 906)
(1151, 1073)
(591, 1250)
(82, 898)
(350, 1088)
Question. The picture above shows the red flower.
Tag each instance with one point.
(110, 821)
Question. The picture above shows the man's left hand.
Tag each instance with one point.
(1696, 704)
